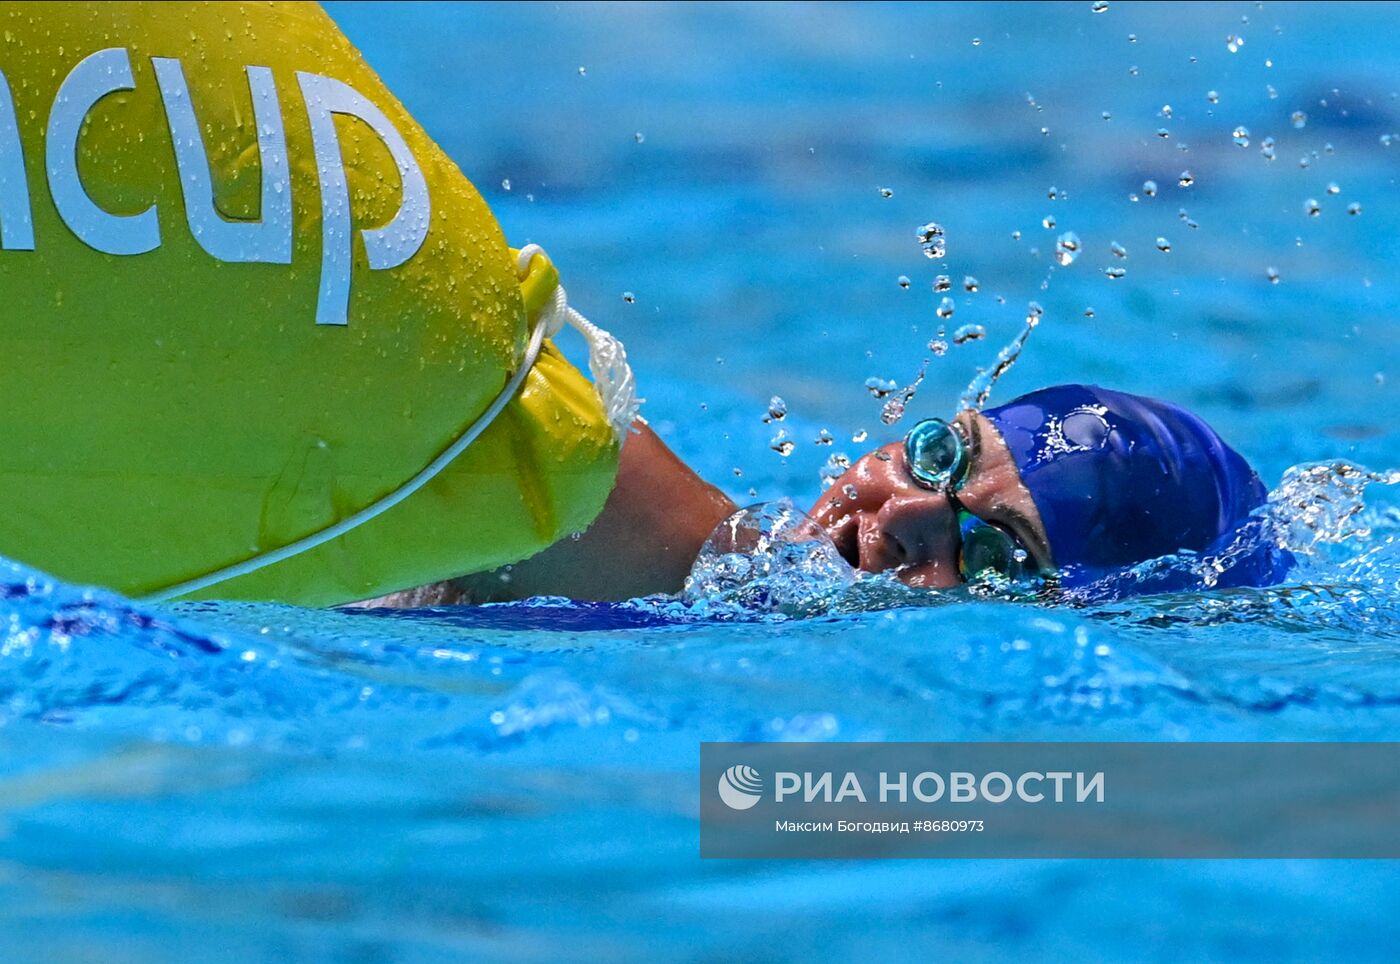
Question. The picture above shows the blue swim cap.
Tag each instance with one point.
(1120, 479)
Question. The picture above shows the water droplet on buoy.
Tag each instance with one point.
(1213, 96)
(1115, 273)
(1312, 208)
(1334, 188)
(1299, 119)
(629, 297)
(1272, 275)
(639, 137)
(970, 283)
(1163, 245)
(903, 281)
(1099, 6)
(1233, 43)
(1118, 250)
(1048, 222)
(1354, 208)
(1241, 136)
(945, 309)
(777, 410)
(1185, 179)
(886, 192)
(1149, 188)
(942, 283)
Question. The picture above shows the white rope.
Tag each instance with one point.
(612, 380)
(607, 358)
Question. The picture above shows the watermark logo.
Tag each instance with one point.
(740, 787)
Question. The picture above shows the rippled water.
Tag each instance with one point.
(247, 782)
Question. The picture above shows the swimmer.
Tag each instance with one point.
(424, 423)
(1067, 484)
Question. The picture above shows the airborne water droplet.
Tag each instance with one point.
(1067, 248)
(932, 241)
(969, 333)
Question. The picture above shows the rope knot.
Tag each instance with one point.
(613, 380)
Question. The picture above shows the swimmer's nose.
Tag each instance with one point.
(919, 536)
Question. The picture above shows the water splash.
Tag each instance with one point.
(980, 388)
(769, 558)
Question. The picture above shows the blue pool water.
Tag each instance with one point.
(255, 782)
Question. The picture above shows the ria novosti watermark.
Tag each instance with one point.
(1050, 799)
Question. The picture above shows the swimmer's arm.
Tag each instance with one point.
(651, 528)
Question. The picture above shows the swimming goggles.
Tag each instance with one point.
(937, 456)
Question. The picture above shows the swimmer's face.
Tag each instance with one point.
(894, 523)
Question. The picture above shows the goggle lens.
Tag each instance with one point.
(989, 551)
(936, 454)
